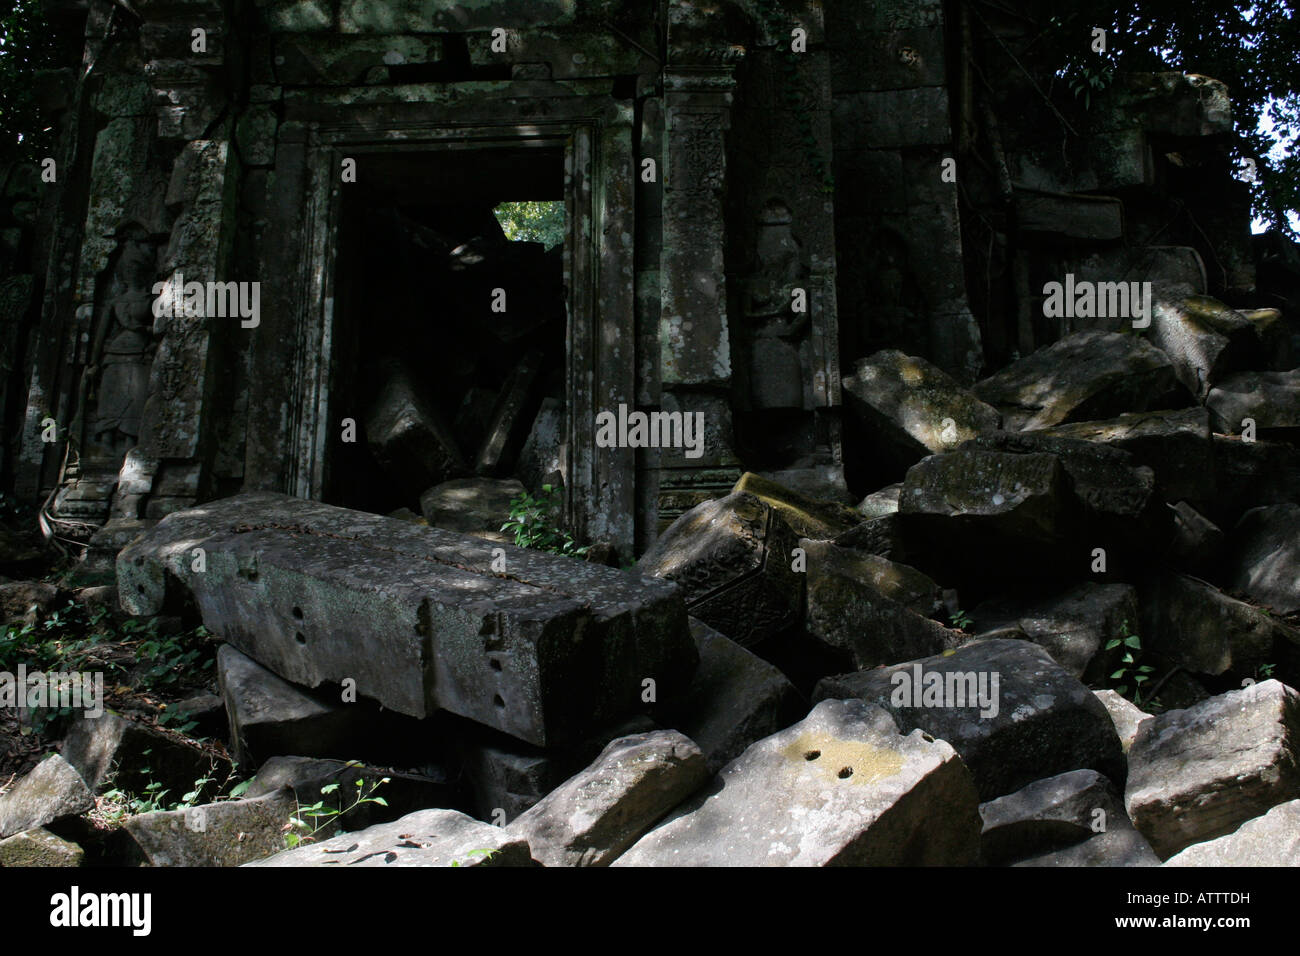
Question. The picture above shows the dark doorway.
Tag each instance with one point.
(450, 338)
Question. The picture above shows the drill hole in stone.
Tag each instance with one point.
(812, 755)
(300, 637)
(496, 699)
(496, 664)
(297, 613)
(845, 773)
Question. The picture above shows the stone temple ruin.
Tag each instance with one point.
(954, 343)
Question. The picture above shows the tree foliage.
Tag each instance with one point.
(532, 221)
(1253, 46)
(25, 48)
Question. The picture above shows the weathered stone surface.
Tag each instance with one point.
(416, 616)
(1197, 541)
(1122, 845)
(914, 408)
(1200, 354)
(1125, 714)
(1270, 840)
(882, 502)
(1069, 216)
(408, 438)
(594, 816)
(1271, 399)
(1035, 719)
(19, 599)
(39, 847)
(841, 787)
(1199, 773)
(403, 793)
(1081, 377)
(883, 536)
(1175, 444)
(95, 746)
(735, 699)
(496, 453)
(226, 833)
(1197, 626)
(543, 452)
(1002, 493)
(51, 791)
(477, 506)
(1263, 562)
(1073, 625)
(731, 557)
(425, 838)
(869, 610)
(1249, 475)
(809, 517)
(1056, 814)
(270, 717)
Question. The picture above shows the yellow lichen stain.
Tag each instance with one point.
(868, 763)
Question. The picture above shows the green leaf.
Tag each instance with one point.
(329, 788)
(1133, 641)
(1113, 643)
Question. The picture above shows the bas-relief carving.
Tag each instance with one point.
(777, 373)
(122, 352)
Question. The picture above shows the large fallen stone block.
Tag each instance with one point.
(270, 717)
(809, 517)
(1124, 714)
(425, 838)
(590, 819)
(496, 453)
(1011, 712)
(135, 755)
(477, 506)
(735, 699)
(1081, 377)
(882, 502)
(867, 610)
(225, 833)
(1200, 773)
(840, 788)
(540, 646)
(732, 558)
(1270, 840)
(914, 408)
(1264, 557)
(997, 493)
(1197, 541)
(408, 438)
(1270, 399)
(1036, 823)
(1249, 474)
(1201, 355)
(39, 847)
(1073, 625)
(1197, 626)
(51, 791)
(1174, 444)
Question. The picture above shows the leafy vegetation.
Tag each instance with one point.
(487, 854)
(1253, 46)
(24, 49)
(115, 805)
(961, 620)
(300, 831)
(532, 221)
(1133, 674)
(533, 523)
(134, 652)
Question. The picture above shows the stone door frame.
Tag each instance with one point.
(595, 133)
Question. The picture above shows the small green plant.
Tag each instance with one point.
(1265, 671)
(487, 854)
(1133, 674)
(116, 804)
(300, 831)
(961, 620)
(531, 522)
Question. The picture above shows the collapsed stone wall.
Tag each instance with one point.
(825, 181)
